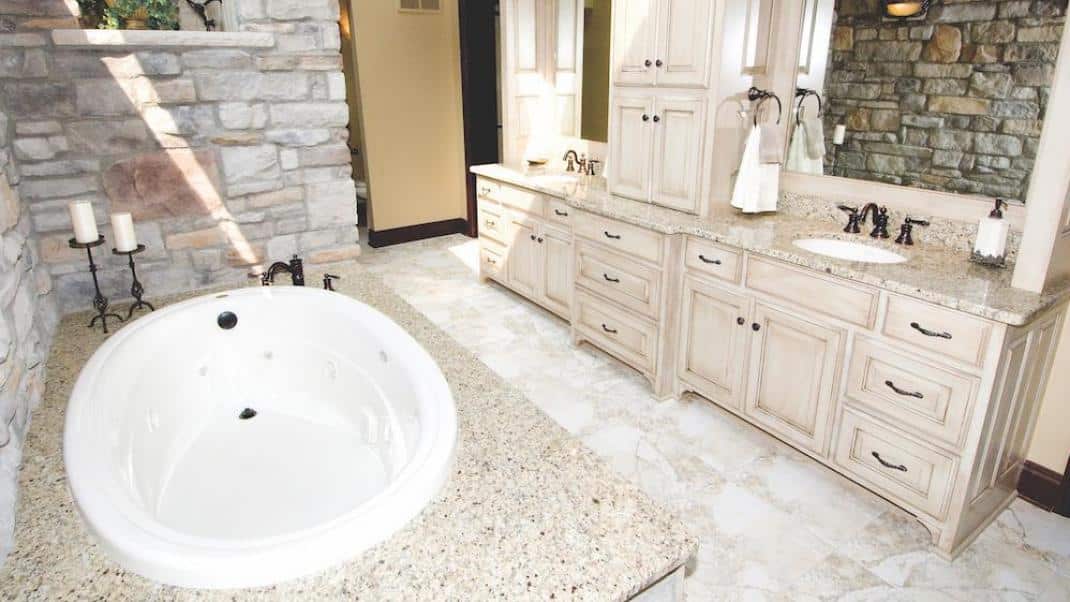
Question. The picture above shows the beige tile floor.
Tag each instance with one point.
(772, 524)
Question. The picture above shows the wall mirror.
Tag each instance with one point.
(555, 75)
(945, 96)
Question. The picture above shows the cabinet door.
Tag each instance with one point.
(634, 41)
(521, 264)
(525, 97)
(678, 127)
(686, 30)
(630, 146)
(793, 369)
(555, 277)
(714, 341)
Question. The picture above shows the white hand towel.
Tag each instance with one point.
(815, 137)
(798, 159)
(771, 149)
(747, 187)
(757, 185)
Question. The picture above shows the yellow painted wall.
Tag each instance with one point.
(594, 122)
(1051, 440)
(408, 66)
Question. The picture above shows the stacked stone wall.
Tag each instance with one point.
(953, 102)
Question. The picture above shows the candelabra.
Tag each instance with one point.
(100, 302)
(136, 290)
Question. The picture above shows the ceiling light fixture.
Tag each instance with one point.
(906, 9)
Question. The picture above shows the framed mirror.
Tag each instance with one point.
(949, 98)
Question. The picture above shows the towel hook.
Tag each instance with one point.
(801, 94)
(756, 94)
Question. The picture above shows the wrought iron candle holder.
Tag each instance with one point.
(100, 302)
(136, 290)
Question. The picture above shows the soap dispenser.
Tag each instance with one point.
(990, 246)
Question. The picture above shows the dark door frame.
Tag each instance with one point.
(479, 92)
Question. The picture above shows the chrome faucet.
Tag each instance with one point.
(880, 219)
(296, 270)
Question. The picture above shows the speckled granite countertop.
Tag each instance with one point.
(528, 513)
(936, 274)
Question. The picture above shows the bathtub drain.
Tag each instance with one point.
(247, 413)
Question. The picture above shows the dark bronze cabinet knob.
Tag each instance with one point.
(755, 327)
(740, 321)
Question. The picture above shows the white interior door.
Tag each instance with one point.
(630, 146)
(567, 61)
(679, 124)
(634, 41)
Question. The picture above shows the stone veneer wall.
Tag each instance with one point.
(228, 157)
(27, 322)
(229, 149)
(953, 102)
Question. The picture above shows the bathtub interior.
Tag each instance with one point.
(338, 414)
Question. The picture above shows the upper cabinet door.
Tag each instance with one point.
(679, 124)
(524, 94)
(635, 41)
(683, 57)
(793, 368)
(631, 121)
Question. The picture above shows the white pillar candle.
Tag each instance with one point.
(84, 222)
(122, 225)
(839, 134)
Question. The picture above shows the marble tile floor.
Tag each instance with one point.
(772, 524)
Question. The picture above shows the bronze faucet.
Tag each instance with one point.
(880, 219)
(295, 269)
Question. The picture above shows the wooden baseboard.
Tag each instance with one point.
(394, 236)
(1045, 488)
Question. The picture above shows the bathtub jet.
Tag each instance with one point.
(213, 457)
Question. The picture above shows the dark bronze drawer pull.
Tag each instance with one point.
(930, 333)
(608, 329)
(903, 392)
(490, 223)
(705, 260)
(888, 464)
(608, 279)
(561, 213)
(613, 236)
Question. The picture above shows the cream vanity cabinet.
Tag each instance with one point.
(526, 244)
(927, 406)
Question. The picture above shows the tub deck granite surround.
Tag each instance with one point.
(528, 512)
(940, 275)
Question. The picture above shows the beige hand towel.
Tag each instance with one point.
(771, 149)
(815, 137)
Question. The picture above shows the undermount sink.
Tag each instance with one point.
(851, 251)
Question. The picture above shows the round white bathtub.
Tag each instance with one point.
(205, 456)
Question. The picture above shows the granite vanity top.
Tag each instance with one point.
(527, 513)
(936, 274)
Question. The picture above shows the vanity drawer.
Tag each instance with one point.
(918, 396)
(839, 299)
(622, 333)
(944, 331)
(491, 259)
(558, 211)
(491, 220)
(618, 277)
(528, 201)
(486, 189)
(625, 238)
(908, 472)
(709, 258)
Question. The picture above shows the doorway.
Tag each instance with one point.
(479, 93)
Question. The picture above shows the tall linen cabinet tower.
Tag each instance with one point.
(678, 109)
